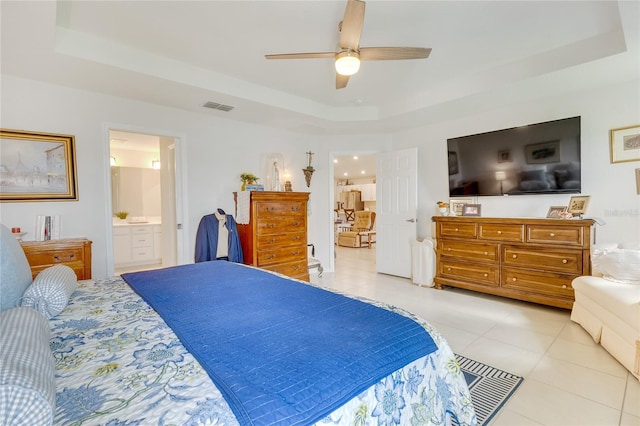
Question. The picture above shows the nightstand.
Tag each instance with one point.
(73, 252)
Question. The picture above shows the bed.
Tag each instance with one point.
(117, 361)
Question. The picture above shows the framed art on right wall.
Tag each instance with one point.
(625, 144)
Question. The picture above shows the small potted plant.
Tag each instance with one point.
(248, 179)
(122, 215)
(443, 206)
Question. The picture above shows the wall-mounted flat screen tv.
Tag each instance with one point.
(542, 158)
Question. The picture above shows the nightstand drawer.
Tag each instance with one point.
(74, 253)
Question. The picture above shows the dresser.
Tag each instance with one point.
(527, 259)
(73, 252)
(276, 236)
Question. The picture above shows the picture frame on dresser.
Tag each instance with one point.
(578, 204)
(455, 205)
(48, 164)
(471, 210)
(554, 211)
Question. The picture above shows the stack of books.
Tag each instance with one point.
(47, 228)
(254, 187)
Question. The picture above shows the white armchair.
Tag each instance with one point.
(607, 305)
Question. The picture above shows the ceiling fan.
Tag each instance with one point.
(349, 54)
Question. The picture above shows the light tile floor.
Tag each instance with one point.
(569, 379)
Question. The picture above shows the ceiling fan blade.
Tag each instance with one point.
(351, 25)
(341, 81)
(317, 55)
(393, 53)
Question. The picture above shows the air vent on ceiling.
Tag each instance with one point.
(215, 105)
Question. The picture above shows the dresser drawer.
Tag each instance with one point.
(458, 230)
(478, 273)
(482, 252)
(296, 269)
(501, 232)
(268, 240)
(538, 282)
(541, 234)
(278, 224)
(566, 261)
(280, 255)
(267, 208)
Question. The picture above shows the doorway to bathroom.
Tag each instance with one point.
(143, 200)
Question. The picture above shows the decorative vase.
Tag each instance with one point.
(443, 211)
(244, 186)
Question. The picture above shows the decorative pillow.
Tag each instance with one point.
(27, 378)
(50, 291)
(15, 273)
(619, 265)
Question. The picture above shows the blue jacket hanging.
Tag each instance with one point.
(207, 247)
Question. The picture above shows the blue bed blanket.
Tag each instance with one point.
(280, 351)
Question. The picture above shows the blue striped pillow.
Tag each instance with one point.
(50, 291)
(27, 378)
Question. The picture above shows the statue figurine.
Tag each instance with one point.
(275, 182)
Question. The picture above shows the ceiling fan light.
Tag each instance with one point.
(347, 62)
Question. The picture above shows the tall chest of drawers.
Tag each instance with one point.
(72, 252)
(276, 236)
(527, 259)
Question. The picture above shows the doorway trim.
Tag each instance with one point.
(182, 240)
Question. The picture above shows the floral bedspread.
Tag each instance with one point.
(118, 363)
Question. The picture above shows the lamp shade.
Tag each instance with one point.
(347, 62)
(500, 175)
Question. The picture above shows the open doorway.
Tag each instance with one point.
(354, 179)
(143, 199)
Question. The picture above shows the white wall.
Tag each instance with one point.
(611, 186)
(216, 151)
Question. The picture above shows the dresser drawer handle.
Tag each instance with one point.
(486, 275)
(515, 256)
(296, 267)
(448, 248)
(57, 258)
(272, 240)
(449, 269)
(270, 209)
(295, 224)
(499, 232)
(514, 279)
(552, 234)
(296, 238)
(295, 253)
(486, 253)
(564, 286)
(565, 261)
(270, 256)
(295, 208)
(456, 229)
(270, 225)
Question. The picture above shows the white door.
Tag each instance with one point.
(396, 210)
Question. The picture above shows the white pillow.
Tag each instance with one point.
(15, 273)
(619, 265)
(50, 291)
(27, 377)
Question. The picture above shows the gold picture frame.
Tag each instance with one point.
(37, 166)
(554, 211)
(625, 144)
(578, 204)
(455, 206)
